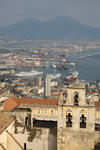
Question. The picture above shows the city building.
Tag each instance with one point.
(75, 117)
(47, 86)
(38, 81)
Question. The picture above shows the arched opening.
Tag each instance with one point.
(65, 95)
(76, 97)
(82, 121)
(24, 146)
(97, 127)
(97, 146)
(69, 120)
(26, 120)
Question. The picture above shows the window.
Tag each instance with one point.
(65, 95)
(26, 120)
(24, 146)
(97, 146)
(34, 121)
(82, 121)
(97, 127)
(76, 97)
(69, 120)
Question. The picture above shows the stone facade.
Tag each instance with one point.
(36, 137)
(76, 120)
(45, 113)
(7, 140)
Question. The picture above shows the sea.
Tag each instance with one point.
(87, 64)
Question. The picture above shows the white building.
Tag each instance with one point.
(47, 86)
(7, 141)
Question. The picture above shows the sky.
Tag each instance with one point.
(85, 11)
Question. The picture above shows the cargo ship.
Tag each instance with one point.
(72, 76)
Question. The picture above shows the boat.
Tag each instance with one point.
(72, 76)
(55, 76)
(71, 63)
(54, 66)
(31, 73)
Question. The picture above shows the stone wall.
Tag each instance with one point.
(75, 137)
(12, 143)
(3, 135)
(37, 138)
(75, 141)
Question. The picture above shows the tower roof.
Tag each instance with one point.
(77, 85)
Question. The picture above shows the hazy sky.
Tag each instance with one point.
(85, 11)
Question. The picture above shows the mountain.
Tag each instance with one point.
(57, 28)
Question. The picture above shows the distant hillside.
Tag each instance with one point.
(56, 28)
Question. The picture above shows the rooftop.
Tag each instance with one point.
(77, 84)
(5, 121)
(97, 103)
(12, 103)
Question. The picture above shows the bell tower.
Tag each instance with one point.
(76, 94)
(76, 119)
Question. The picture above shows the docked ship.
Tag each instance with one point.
(55, 76)
(72, 76)
(54, 66)
(71, 63)
(31, 73)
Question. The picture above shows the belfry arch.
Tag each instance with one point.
(69, 120)
(97, 146)
(82, 121)
(76, 98)
(76, 94)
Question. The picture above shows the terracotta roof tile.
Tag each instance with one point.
(9, 104)
(97, 104)
(12, 103)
